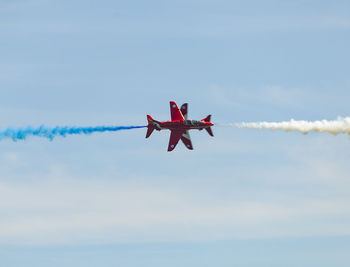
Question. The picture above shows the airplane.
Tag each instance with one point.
(179, 126)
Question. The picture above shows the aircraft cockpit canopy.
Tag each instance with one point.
(192, 122)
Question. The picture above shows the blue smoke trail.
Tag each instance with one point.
(50, 133)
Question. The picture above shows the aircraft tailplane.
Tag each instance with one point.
(149, 131)
(151, 126)
(210, 132)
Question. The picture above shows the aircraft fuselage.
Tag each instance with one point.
(179, 126)
(183, 125)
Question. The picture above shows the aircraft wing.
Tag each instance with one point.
(184, 110)
(174, 139)
(175, 112)
(186, 139)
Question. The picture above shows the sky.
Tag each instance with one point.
(243, 198)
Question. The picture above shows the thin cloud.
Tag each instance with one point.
(66, 212)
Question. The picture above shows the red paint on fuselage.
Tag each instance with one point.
(185, 125)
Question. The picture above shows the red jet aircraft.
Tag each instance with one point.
(179, 126)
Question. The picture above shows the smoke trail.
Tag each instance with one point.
(341, 125)
(50, 133)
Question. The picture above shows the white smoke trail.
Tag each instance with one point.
(339, 126)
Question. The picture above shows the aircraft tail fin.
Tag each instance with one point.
(209, 130)
(149, 119)
(150, 127)
(207, 119)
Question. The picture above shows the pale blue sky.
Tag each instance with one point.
(243, 198)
